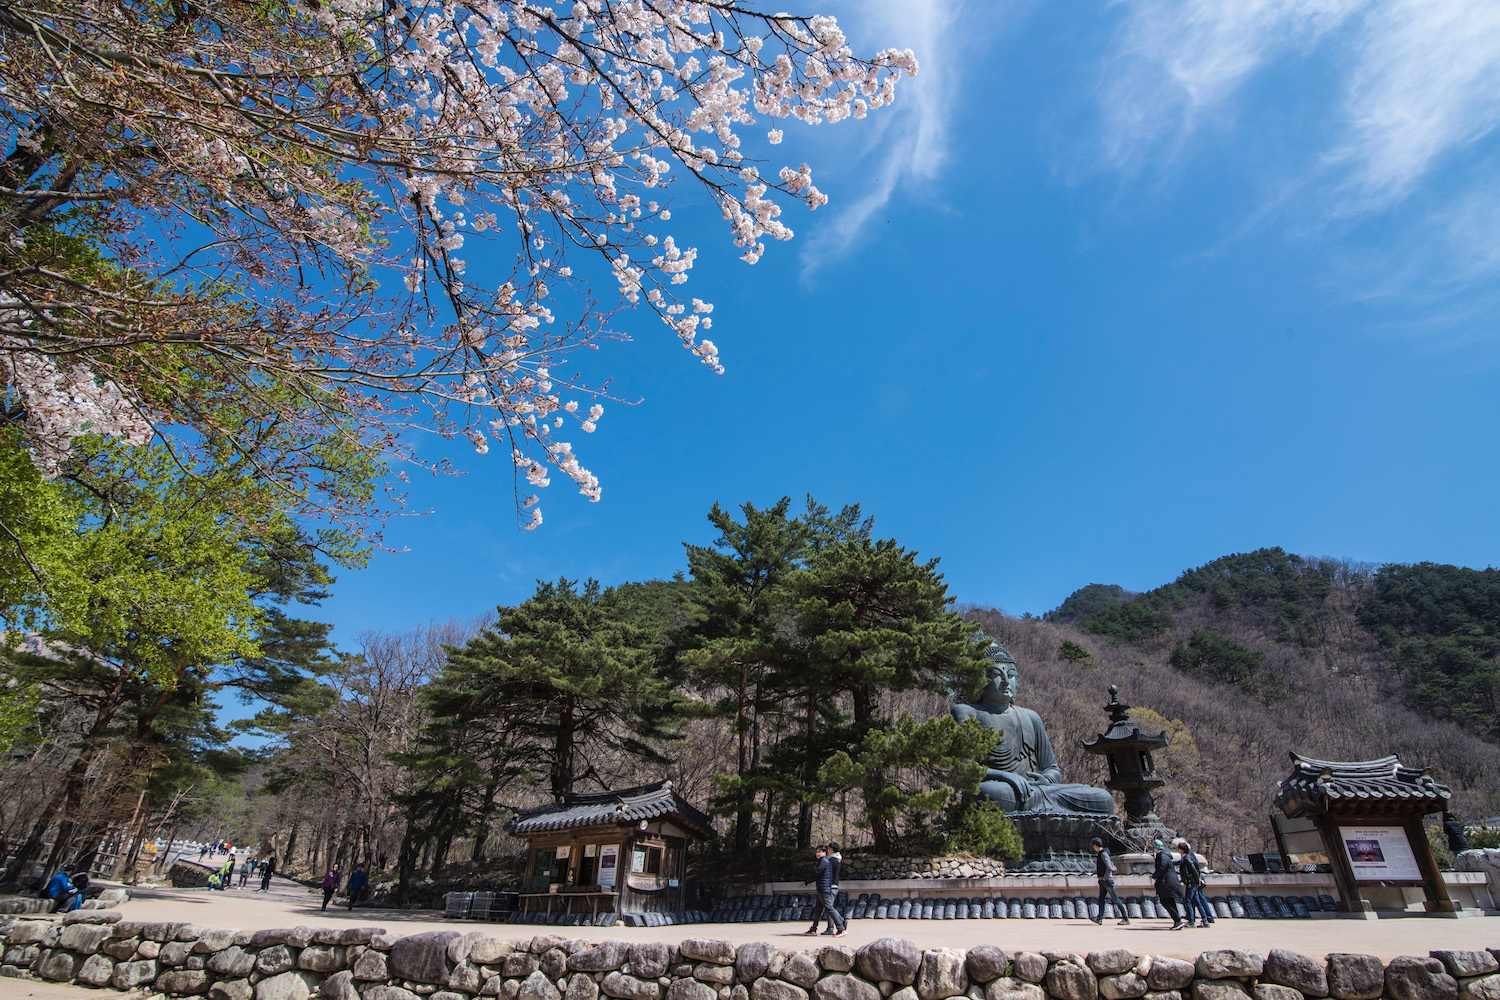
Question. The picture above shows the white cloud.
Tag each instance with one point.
(914, 134)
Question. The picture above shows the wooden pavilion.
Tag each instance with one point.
(597, 855)
(1369, 816)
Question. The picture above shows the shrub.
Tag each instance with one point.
(977, 826)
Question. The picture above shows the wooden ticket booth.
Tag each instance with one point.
(596, 857)
(1369, 815)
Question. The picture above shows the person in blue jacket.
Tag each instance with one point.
(60, 888)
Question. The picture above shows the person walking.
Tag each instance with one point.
(1168, 884)
(823, 908)
(226, 874)
(357, 882)
(1193, 898)
(837, 861)
(330, 885)
(267, 868)
(1105, 871)
(244, 875)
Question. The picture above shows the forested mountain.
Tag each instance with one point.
(1257, 654)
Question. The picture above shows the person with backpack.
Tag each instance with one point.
(1195, 901)
(60, 888)
(1105, 871)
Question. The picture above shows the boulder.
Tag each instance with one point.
(1229, 963)
(1010, 988)
(1029, 966)
(84, 938)
(346, 935)
(752, 959)
(231, 989)
(1164, 995)
(836, 958)
(234, 962)
(300, 936)
(617, 984)
(1169, 973)
(691, 989)
(175, 953)
(1067, 981)
(649, 959)
(553, 962)
(1111, 962)
(386, 993)
(606, 956)
(985, 963)
(707, 950)
(1464, 964)
(538, 987)
(58, 966)
(184, 982)
(22, 955)
(519, 965)
(289, 986)
(1355, 977)
(941, 974)
(275, 960)
(489, 951)
(160, 931)
(96, 970)
(371, 967)
(1122, 986)
(214, 940)
(907, 993)
(92, 917)
(466, 977)
(422, 958)
(459, 947)
(545, 942)
(1409, 977)
(1271, 991)
(799, 970)
(321, 958)
(723, 975)
(122, 950)
(1219, 989)
(842, 987)
(27, 931)
(1479, 988)
(1303, 974)
(581, 988)
(887, 959)
(189, 932)
(775, 989)
(148, 949)
(130, 975)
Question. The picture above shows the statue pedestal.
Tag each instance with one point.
(1060, 842)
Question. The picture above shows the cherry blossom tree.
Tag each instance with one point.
(267, 210)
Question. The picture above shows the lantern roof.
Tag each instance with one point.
(1123, 734)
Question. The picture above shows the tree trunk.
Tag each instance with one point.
(809, 773)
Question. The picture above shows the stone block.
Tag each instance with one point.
(1271, 991)
(1408, 977)
(1479, 988)
(92, 917)
(942, 974)
(275, 960)
(799, 970)
(386, 993)
(606, 956)
(843, 987)
(214, 941)
(28, 932)
(56, 965)
(1303, 974)
(287, 986)
(835, 958)
(489, 950)
(148, 949)
(690, 989)
(189, 932)
(546, 942)
(1170, 973)
(1010, 988)
(321, 958)
(617, 984)
(96, 970)
(1067, 981)
(648, 959)
(775, 989)
(22, 955)
(84, 938)
(1465, 964)
(985, 963)
(466, 977)
(1219, 989)
(707, 950)
(582, 988)
(1123, 986)
(538, 987)
(519, 965)
(423, 958)
(234, 962)
(184, 982)
(1229, 963)
(722, 975)
(371, 967)
(1355, 977)
(1029, 966)
(130, 975)
(892, 960)
(752, 960)
(231, 989)
(121, 950)
(553, 962)
(1111, 961)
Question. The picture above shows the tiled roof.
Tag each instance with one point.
(1319, 785)
(622, 807)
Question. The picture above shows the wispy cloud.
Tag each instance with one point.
(914, 135)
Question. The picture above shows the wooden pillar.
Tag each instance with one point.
(1338, 859)
(1438, 901)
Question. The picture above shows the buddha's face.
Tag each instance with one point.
(1001, 682)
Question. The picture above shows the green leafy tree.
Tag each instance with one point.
(1074, 653)
(978, 826)
(910, 768)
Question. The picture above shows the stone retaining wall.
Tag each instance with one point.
(97, 948)
(869, 866)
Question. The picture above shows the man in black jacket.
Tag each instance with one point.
(823, 877)
(1104, 869)
(1168, 884)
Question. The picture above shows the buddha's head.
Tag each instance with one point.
(1001, 681)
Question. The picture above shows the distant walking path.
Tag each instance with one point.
(289, 904)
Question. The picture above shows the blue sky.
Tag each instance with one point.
(1115, 289)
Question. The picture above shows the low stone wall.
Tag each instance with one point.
(861, 866)
(100, 949)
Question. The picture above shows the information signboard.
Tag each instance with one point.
(609, 857)
(1380, 854)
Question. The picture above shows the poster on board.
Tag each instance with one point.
(609, 858)
(1380, 853)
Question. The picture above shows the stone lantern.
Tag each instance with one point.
(1132, 773)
